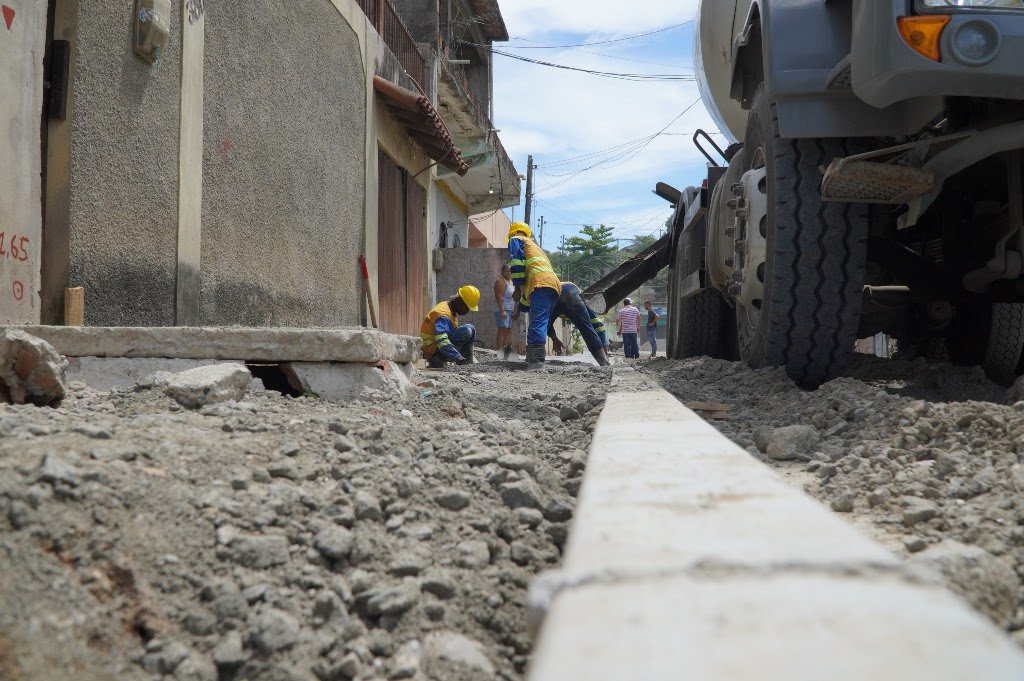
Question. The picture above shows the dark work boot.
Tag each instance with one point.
(535, 354)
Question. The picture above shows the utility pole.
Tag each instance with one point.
(529, 188)
(542, 231)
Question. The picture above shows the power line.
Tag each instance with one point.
(622, 158)
(635, 77)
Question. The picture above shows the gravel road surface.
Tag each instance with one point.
(276, 538)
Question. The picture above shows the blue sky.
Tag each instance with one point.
(558, 115)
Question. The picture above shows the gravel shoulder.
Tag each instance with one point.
(927, 458)
(280, 538)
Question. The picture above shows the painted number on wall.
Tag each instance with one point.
(14, 248)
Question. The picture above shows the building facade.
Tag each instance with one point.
(237, 178)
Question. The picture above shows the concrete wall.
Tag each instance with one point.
(449, 209)
(420, 17)
(480, 267)
(124, 170)
(233, 183)
(283, 165)
(494, 226)
(21, 96)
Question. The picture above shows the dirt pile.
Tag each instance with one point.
(279, 538)
(927, 457)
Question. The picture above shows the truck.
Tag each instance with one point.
(872, 185)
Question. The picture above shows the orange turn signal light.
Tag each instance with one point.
(923, 33)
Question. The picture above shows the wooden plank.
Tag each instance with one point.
(190, 173)
(74, 306)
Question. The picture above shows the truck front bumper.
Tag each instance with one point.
(885, 70)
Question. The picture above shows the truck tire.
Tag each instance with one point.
(812, 275)
(699, 325)
(990, 336)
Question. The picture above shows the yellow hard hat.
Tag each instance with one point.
(519, 227)
(471, 297)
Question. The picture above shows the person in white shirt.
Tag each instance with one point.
(506, 307)
(628, 321)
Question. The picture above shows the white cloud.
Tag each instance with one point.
(557, 114)
(535, 18)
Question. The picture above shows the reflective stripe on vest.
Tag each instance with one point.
(431, 339)
(539, 273)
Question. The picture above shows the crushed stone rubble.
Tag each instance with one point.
(928, 458)
(192, 529)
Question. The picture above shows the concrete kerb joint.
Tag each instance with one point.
(548, 586)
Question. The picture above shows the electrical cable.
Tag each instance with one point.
(634, 77)
(619, 159)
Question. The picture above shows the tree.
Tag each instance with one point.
(585, 257)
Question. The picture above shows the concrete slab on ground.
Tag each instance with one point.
(367, 346)
(108, 373)
(689, 559)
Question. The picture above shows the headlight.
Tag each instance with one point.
(968, 5)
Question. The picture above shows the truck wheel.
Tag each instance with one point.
(699, 325)
(799, 284)
(991, 336)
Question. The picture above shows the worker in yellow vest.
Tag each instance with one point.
(444, 339)
(536, 282)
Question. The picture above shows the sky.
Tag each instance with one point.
(559, 115)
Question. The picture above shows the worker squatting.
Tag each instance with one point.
(537, 291)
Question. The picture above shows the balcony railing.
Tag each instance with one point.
(457, 74)
(396, 36)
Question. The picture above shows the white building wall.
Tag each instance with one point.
(21, 220)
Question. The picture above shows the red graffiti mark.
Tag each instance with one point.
(17, 248)
(19, 290)
(8, 16)
(225, 148)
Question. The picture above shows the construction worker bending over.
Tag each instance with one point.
(570, 305)
(535, 281)
(444, 339)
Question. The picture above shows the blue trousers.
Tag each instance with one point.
(652, 338)
(630, 346)
(571, 304)
(462, 339)
(542, 304)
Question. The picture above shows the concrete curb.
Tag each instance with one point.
(689, 559)
(362, 345)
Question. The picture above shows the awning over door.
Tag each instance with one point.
(424, 124)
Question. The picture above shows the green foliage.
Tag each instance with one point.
(585, 257)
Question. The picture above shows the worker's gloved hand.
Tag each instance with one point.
(462, 361)
(557, 347)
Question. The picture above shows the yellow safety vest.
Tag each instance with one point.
(432, 340)
(539, 272)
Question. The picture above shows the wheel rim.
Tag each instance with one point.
(751, 251)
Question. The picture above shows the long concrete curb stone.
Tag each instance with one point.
(230, 343)
(689, 559)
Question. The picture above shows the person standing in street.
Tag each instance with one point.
(536, 286)
(504, 291)
(652, 328)
(628, 321)
(444, 339)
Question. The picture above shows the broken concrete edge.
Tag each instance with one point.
(689, 558)
(337, 381)
(271, 344)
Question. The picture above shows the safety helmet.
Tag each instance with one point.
(520, 227)
(471, 297)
